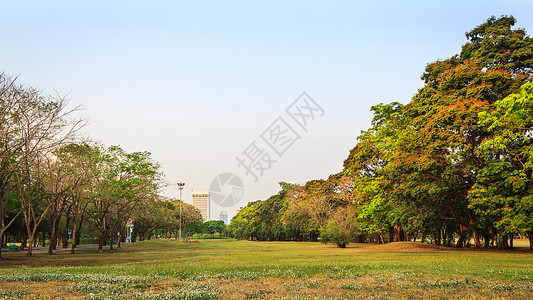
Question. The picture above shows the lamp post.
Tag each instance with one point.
(180, 186)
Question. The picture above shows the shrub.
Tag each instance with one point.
(341, 228)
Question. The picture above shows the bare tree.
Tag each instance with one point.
(41, 125)
(10, 147)
(66, 184)
(80, 162)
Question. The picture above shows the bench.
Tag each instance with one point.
(14, 246)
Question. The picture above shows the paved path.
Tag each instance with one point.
(58, 248)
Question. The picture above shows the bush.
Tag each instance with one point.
(341, 228)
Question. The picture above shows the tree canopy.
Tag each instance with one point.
(452, 164)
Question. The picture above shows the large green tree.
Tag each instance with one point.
(438, 157)
(262, 220)
(377, 213)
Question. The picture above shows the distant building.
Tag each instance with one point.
(224, 216)
(200, 200)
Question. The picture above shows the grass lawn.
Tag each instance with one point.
(230, 269)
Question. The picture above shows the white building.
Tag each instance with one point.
(200, 200)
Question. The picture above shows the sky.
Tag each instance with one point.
(201, 83)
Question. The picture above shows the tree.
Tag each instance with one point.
(504, 193)
(31, 127)
(123, 182)
(242, 225)
(308, 207)
(42, 125)
(80, 163)
(54, 185)
(365, 166)
(214, 226)
(262, 219)
(439, 156)
(191, 219)
(11, 97)
(159, 214)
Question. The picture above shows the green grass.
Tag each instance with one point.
(230, 269)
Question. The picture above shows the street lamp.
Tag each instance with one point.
(180, 186)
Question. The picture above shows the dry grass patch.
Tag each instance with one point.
(229, 269)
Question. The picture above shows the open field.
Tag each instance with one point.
(229, 269)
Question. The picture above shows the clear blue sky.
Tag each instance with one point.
(195, 82)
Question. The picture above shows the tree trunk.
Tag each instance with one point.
(100, 240)
(415, 236)
(65, 233)
(29, 237)
(74, 232)
(446, 237)
(120, 237)
(23, 242)
(30, 246)
(530, 236)
(78, 232)
(401, 234)
(477, 243)
(53, 235)
(437, 237)
(391, 235)
(486, 240)
(462, 236)
(505, 242)
(501, 242)
(111, 237)
(3, 243)
(313, 236)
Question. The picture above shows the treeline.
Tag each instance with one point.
(54, 182)
(452, 166)
(162, 218)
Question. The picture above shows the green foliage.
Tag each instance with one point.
(438, 156)
(431, 167)
(260, 220)
(214, 226)
(504, 193)
(164, 217)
